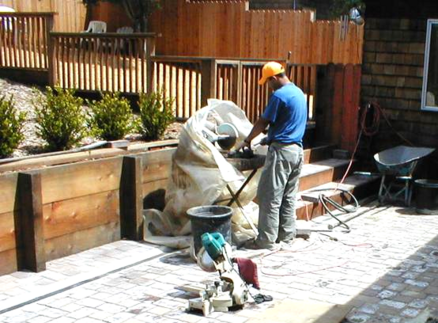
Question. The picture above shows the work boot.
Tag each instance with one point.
(254, 245)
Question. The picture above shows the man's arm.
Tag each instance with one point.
(260, 126)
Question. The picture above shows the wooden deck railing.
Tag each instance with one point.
(179, 78)
(102, 62)
(24, 39)
(126, 63)
(191, 81)
(238, 81)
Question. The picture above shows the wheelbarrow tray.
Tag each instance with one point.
(400, 160)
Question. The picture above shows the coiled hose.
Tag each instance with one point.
(326, 201)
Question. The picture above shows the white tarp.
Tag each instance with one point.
(199, 177)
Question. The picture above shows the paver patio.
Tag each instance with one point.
(384, 270)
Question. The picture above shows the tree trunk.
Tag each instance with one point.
(144, 24)
(88, 14)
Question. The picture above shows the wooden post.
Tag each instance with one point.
(31, 254)
(357, 76)
(51, 64)
(150, 51)
(131, 199)
(324, 102)
(208, 80)
(239, 80)
(338, 105)
(347, 138)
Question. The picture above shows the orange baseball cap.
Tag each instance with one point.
(270, 69)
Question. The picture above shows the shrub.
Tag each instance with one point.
(111, 117)
(60, 120)
(156, 114)
(11, 125)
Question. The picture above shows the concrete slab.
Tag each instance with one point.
(289, 311)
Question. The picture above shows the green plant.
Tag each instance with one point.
(156, 114)
(11, 124)
(111, 118)
(342, 7)
(60, 119)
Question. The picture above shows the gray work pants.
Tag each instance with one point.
(276, 194)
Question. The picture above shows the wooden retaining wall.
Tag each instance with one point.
(57, 211)
(8, 205)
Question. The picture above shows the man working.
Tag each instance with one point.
(286, 115)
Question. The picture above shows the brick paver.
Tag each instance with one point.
(385, 269)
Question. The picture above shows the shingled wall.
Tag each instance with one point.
(392, 76)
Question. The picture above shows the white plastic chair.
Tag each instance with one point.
(96, 26)
(7, 23)
(123, 30)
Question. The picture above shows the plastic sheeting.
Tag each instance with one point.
(200, 174)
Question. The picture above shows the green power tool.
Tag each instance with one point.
(214, 244)
(227, 292)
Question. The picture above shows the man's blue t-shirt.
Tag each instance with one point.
(287, 114)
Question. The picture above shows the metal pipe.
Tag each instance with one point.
(83, 148)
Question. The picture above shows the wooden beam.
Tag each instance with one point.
(324, 103)
(51, 60)
(150, 52)
(31, 254)
(348, 115)
(208, 80)
(131, 198)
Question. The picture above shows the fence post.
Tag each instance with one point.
(324, 102)
(50, 51)
(131, 199)
(350, 107)
(150, 51)
(208, 80)
(239, 84)
(31, 254)
(338, 104)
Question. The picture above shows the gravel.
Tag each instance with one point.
(24, 98)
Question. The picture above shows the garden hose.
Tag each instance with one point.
(325, 200)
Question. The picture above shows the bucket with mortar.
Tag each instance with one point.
(211, 218)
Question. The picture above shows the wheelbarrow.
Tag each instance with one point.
(397, 165)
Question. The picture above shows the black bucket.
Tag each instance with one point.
(213, 218)
(426, 196)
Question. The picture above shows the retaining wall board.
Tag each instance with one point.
(78, 214)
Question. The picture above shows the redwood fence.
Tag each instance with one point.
(225, 29)
(71, 14)
(126, 63)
